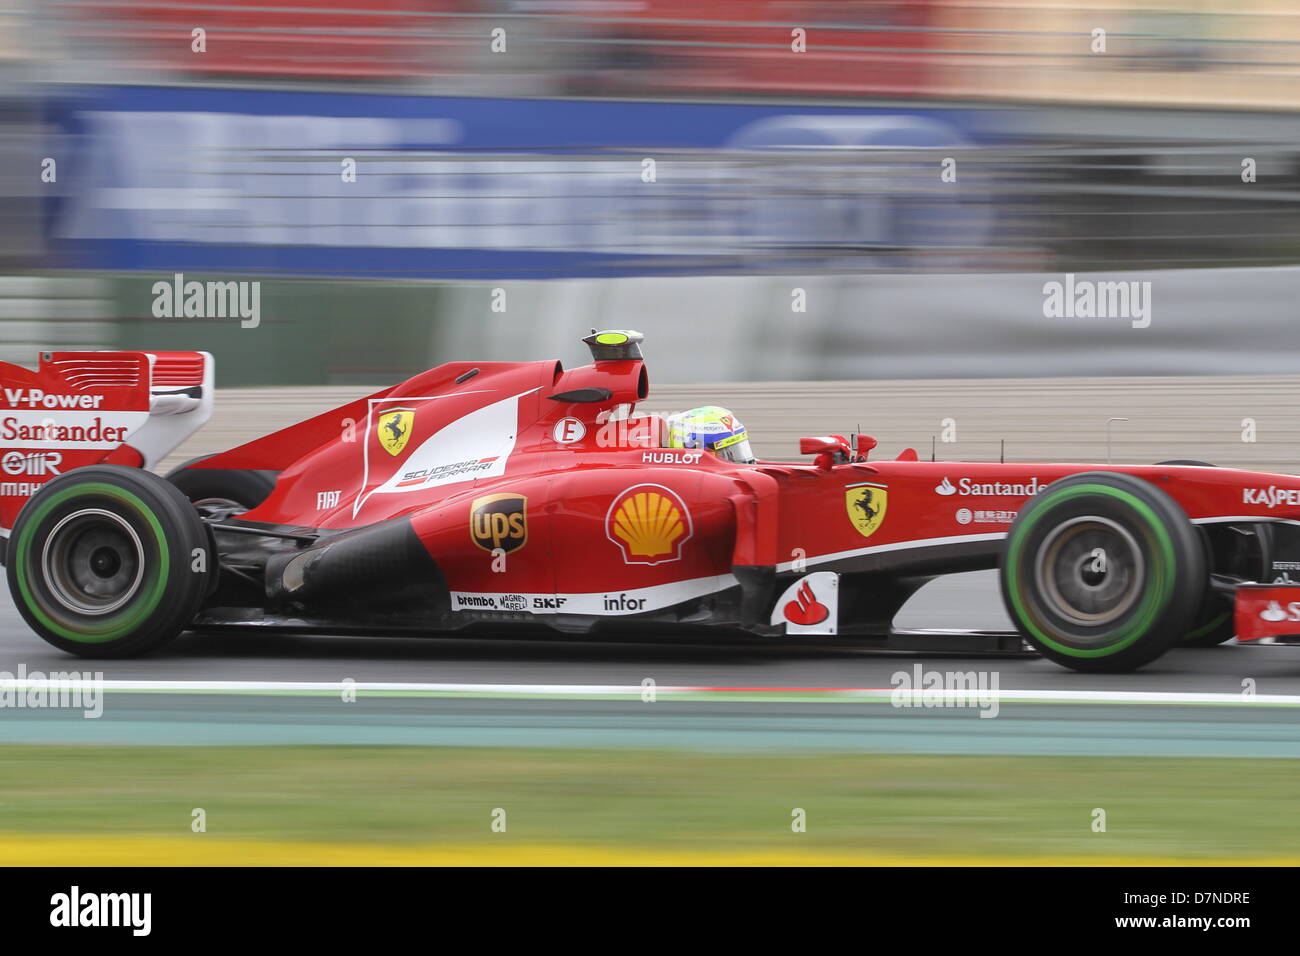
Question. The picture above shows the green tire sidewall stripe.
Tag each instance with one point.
(114, 627)
(1156, 598)
(1208, 626)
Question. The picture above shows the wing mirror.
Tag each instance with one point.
(822, 445)
(829, 449)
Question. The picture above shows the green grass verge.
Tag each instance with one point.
(1208, 809)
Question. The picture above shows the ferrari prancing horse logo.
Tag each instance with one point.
(394, 429)
(865, 505)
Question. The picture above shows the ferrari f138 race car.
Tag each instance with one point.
(521, 497)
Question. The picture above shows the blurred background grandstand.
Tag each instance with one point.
(913, 171)
(1168, 52)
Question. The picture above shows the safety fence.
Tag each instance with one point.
(1238, 421)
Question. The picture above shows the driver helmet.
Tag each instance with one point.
(712, 428)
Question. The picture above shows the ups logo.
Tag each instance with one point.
(499, 521)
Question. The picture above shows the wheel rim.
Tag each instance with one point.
(1091, 570)
(93, 561)
(220, 508)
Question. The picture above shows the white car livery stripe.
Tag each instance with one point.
(602, 603)
(919, 543)
(1245, 519)
(495, 451)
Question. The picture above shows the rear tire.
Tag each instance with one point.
(1103, 572)
(108, 561)
(245, 488)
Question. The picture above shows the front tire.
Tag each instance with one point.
(1215, 625)
(108, 561)
(1103, 572)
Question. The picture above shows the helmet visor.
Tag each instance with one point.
(738, 452)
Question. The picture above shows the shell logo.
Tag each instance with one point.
(649, 523)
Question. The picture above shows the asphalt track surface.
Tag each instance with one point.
(960, 601)
(570, 693)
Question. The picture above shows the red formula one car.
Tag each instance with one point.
(514, 497)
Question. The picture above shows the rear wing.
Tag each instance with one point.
(86, 408)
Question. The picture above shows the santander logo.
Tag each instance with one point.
(993, 489)
(805, 609)
(809, 605)
(1275, 612)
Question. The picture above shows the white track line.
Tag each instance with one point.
(636, 690)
